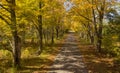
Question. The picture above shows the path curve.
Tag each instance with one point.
(69, 60)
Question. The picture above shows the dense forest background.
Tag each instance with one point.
(29, 28)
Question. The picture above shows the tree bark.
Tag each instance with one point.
(52, 36)
(95, 28)
(40, 34)
(17, 50)
(40, 30)
(17, 40)
(98, 29)
(99, 42)
(57, 31)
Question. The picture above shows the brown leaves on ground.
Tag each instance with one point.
(96, 62)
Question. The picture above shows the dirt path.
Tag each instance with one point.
(69, 60)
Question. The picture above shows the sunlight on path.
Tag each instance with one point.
(69, 59)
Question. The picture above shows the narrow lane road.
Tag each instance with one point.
(69, 60)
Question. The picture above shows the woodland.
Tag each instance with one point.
(30, 29)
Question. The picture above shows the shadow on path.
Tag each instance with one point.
(69, 59)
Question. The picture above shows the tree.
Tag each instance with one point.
(40, 28)
(96, 17)
(14, 30)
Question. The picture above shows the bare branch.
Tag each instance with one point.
(1, 17)
(6, 47)
(35, 25)
(82, 15)
(5, 8)
(5, 15)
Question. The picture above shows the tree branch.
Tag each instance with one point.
(82, 15)
(4, 8)
(6, 47)
(1, 17)
(5, 15)
(35, 25)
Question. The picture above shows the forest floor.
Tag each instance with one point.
(96, 62)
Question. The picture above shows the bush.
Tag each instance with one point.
(107, 44)
(110, 47)
(116, 51)
(5, 54)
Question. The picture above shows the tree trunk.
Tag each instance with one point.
(99, 42)
(44, 36)
(40, 34)
(47, 35)
(17, 50)
(57, 32)
(52, 36)
(17, 40)
(91, 37)
(96, 30)
(90, 33)
(40, 31)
